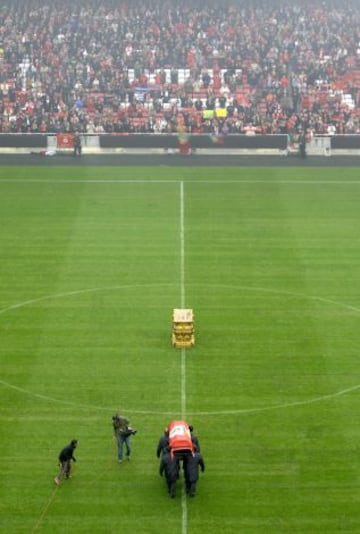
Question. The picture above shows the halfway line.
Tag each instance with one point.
(182, 298)
(183, 350)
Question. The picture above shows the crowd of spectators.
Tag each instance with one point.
(233, 66)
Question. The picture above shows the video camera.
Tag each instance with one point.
(128, 431)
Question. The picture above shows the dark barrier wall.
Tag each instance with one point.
(251, 142)
(196, 141)
(347, 142)
(138, 141)
(248, 142)
(23, 141)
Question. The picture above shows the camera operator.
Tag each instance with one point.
(122, 432)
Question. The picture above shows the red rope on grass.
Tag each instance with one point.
(44, 512)
(52, 497)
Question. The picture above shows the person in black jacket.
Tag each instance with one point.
(77, 144)
(65, 457)
(194, 438)
(302, 144)
(169, 465)
(191, 471)
(163, 443)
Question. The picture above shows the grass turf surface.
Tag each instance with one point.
(93, 261)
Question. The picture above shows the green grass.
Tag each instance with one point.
(93, 261)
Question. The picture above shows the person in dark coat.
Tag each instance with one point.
(65, 458)
(169, 465)
(191, 471)
(77, 144)
(163, 444)
(194, 438)
(302, 144)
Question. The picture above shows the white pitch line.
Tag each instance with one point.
(159, 181)
(86, 181)
(224, 413)
(183, 350)
(232, 287)
(294, 404)
(182, 298)
(78, 292)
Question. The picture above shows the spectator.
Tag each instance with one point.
(72, 68)
(77, 144)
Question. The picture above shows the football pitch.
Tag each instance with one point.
(93, 262)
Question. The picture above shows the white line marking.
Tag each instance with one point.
(231, 287)
(132, 181)
(85, 181)
(183, 350)
(240, 411)
(285, 404)
(182, 299)
(79, 292)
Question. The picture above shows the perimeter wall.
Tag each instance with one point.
(202, 143)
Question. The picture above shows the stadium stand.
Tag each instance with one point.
(236, 66)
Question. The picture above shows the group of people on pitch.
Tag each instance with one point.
(179, 446)
(122, 433)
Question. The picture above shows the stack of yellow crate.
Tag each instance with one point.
(183, 328)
